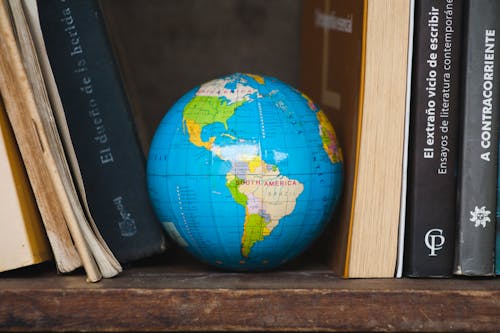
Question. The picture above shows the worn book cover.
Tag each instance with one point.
(433, 146)
(23, 240)
(37, 145)
(101, 127)
(479, 140)
(22, 84)
(324, 45)
(354, 63)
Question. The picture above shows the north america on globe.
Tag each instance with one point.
(244, 172)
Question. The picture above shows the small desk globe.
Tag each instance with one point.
(244, 172)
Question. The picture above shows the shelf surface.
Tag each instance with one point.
(174, 297)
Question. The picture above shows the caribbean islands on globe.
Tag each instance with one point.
(244, 172)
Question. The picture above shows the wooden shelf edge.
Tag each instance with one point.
(241, 310)
(286, 301)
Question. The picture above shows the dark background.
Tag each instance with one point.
(167, 47)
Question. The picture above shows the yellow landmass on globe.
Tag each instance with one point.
(232, 137)
(194, 130)
(255, 163)
(257, 78)
(329, 138)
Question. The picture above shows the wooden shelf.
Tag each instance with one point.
(179, 298)
(174, 46)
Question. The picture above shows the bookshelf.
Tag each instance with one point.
(189, 297)
(163, 58)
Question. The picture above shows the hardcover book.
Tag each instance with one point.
(479, 140)
(433, 146)
(497, 242)
(497, 237)
(101, 127)
(355, 65)
(73, 241)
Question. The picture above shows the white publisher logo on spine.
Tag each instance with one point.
(434, 240)
(480, 216)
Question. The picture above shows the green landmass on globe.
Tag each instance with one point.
(216, 117)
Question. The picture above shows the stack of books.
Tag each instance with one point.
(62, 93)
(412, 89)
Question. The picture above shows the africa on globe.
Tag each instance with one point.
(244, 172)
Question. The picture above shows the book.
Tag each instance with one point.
(101, 127)
(355, 65)
(19, 103)
(478, 156)
(74, 242)
(23, 241)
(497, 237)
(433, 146)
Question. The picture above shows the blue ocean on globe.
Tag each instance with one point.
(244, 172)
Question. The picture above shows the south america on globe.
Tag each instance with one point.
(244, 172)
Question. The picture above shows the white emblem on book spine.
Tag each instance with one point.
(434, 240)
(480, 216)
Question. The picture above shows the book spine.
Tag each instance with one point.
(434, 118)
(479, 140)
(23, 113)
(23, 240)
(497, 242)
(101, 127)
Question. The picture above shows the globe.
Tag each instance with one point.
(244, 172)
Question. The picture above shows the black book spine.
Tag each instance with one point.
(101, 127)
(479, 139)
(434, 117)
